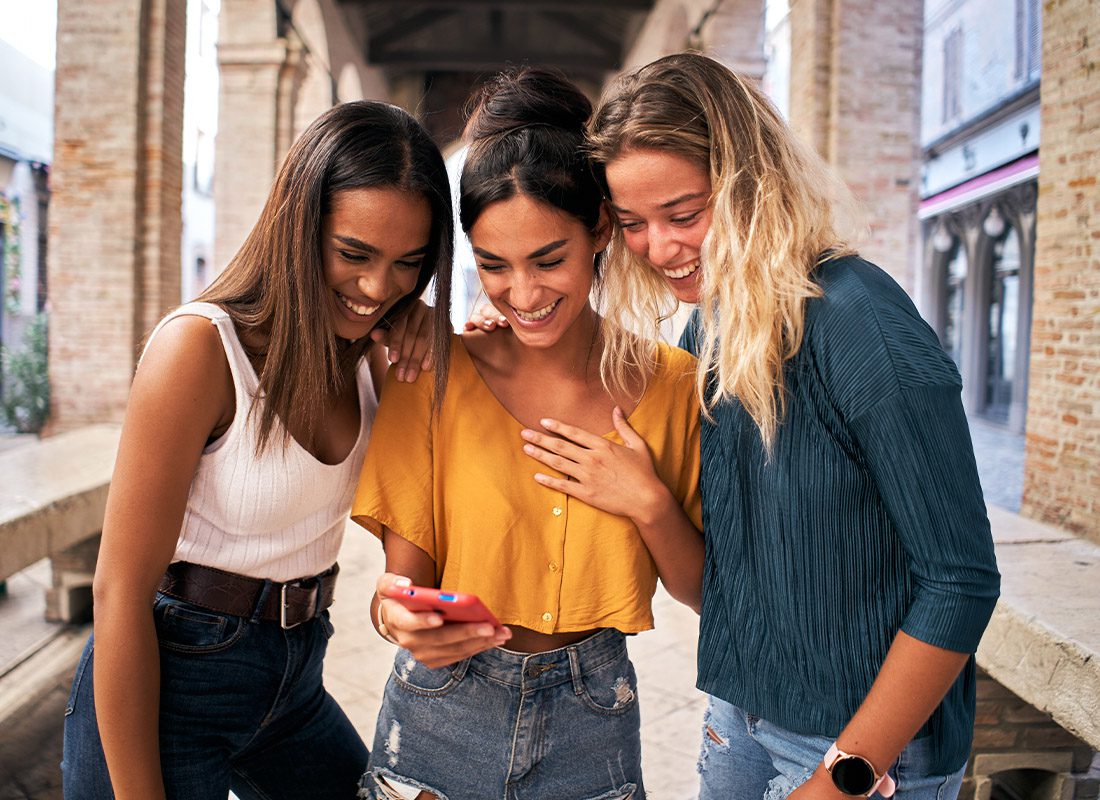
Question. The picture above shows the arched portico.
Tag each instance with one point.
(113, 258)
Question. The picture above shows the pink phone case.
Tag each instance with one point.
(452, 606)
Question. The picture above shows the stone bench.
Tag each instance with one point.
(53, 493)
(1043, 644)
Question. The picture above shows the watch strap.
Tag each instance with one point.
(884, 784)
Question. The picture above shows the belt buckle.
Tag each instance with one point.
(283, 606)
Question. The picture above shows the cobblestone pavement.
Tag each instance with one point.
(1000, 457)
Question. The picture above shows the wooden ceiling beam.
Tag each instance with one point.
(481, 61)
(608, 45)
(403, 27)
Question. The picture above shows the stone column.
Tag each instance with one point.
(115, 224)
(855, 96)
(1062, 463)
(255, 117)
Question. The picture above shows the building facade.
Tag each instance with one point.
(980, 130)
(26, 148)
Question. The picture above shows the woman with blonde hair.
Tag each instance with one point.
(849, 567)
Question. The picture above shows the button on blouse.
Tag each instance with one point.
(459, 486)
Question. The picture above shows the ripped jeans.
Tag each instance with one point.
(749, 758)
(558, 725)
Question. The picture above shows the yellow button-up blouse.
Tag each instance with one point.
(459, 486)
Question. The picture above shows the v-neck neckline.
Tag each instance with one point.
(499, 404)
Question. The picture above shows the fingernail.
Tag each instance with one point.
(527, 433)
(546, 423)
(402, 581)
(541, 478)
(485, 630)
(400, 374)
(502, 318)
(434, 621)
(393, 355)
(412, 373)
(529, 449)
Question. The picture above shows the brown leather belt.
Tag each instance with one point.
(290, 604)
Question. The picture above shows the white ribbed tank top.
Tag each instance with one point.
(280, 515)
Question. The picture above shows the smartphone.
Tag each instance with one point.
(452, 606)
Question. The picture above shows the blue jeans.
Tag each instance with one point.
(747, 758)
(558, 725)
(242, 707)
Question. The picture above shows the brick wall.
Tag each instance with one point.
(114, 226)
(1010, 736)
(855, 96)
(1062, 467)
(730, 32)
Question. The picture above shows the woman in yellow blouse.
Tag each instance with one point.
(545, 706)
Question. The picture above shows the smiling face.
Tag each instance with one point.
(661, 201)
(373, 242)
(535, 263)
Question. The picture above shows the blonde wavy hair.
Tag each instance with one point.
(773, 221)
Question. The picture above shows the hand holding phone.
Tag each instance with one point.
(451, 606)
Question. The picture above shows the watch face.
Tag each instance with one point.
(853, 775)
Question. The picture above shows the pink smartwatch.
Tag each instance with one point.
(855, 776)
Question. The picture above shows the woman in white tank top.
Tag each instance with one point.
(246, 425)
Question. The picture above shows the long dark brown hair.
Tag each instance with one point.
(275, 283)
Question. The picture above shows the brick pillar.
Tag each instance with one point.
(115, 224)
(259, 70)
(1062, 464)
(855, 96)
(734, 33)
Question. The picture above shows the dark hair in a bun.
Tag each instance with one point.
(527, 136)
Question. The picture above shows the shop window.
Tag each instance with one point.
(1002, 319)
(952, 75)
(954, 301)
(1029, 43)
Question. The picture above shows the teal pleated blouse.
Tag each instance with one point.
(867, 519)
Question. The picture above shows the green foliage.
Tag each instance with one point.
(25, 402)
(10, 218)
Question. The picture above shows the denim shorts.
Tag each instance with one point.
(559, 725)
(749, 758)
(242, 707)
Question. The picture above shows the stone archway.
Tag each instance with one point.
(315, 94)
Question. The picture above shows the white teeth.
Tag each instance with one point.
(682, 272)
(363, 311)
(535, 316)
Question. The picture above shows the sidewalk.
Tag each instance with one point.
(359, 662)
